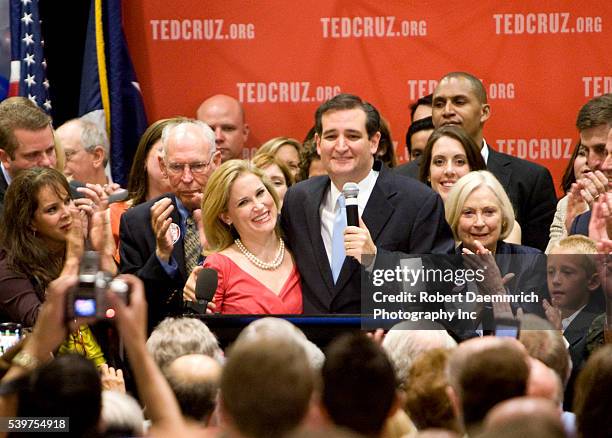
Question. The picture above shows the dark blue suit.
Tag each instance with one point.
(137, 249)
(581, 224)
(402, 215)
(529, 268)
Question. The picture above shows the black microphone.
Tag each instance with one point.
(119, 196)
(206, 286)
(350, 192)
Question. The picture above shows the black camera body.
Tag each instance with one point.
(88, 299)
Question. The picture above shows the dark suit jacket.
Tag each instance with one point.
(529, 187)
(581, 224)
(402, 215)
(576, 335)
(529, 268)
(576, 332)
(137, 249)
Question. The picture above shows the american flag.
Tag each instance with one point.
(28, 65)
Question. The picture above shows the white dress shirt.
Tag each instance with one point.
(329, 209)
(484, 151)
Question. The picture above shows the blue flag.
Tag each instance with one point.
(110, 93)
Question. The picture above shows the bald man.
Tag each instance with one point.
(194, 379)
(533, 415)
(225, 116)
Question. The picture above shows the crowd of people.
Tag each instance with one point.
(296, 230)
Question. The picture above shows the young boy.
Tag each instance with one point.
(575, 294)
(572, 280)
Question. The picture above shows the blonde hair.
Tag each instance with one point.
(265, 160)
(272, 146)
(579, 245)
(465, 187)
(220, 235)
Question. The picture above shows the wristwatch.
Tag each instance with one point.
(25, 360)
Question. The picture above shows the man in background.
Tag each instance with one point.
(225, 116)
(87, 149)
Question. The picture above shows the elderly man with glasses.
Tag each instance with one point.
(159, 239)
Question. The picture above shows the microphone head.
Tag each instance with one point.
(350, 190)
(206, 284)
(118, 196)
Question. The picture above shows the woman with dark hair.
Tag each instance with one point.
(146, 180)
(43, 237)
(310, 161)
(450, 153)
(575, 170)
(386, 148)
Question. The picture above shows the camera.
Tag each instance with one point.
(88, 298)
(10, 334)
(506, 327)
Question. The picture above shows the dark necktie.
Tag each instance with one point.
(191, 244)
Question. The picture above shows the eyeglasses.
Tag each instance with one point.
(196, 168)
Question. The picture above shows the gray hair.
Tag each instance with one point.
(404, 342)
(92, 136)
(121, 412)
(277, 328)
(462, 190)
(180, 127)
(176, 337)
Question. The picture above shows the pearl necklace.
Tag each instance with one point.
(274, 264)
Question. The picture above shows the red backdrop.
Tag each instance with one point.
(540, 61)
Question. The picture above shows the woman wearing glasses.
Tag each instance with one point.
(256, 271)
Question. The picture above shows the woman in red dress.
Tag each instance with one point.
(257, 273)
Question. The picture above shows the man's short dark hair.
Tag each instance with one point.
(424, 124)
(596, 112)
(19, 113)
(68, 386)
(266, 386)
(486, 377)
(346, 102)
(358, 384)
(424, 101)
(477, 86)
